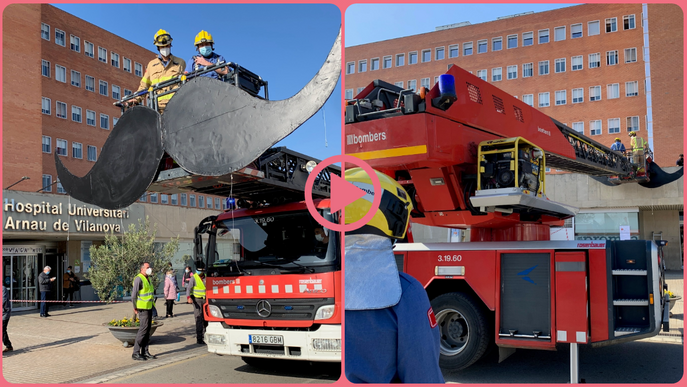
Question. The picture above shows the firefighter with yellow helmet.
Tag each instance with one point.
(638, 146)
(163, 68)
(205, 46)
(383, 306)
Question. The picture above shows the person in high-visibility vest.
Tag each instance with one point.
(638, 146)
(142, 297)
(196, 286)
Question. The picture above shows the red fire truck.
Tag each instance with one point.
(472, 156)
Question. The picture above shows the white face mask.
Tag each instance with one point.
(319, 237)
(165, 51)
(149, 271)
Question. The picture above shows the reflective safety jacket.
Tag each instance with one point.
(198, 287)
(144, 299)
(157, 72)
(637, 143)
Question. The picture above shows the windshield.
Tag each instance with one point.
(291, 240)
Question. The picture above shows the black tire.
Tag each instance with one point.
(463, 328)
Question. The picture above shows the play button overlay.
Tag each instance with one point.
(343, 193)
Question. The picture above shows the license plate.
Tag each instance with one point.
(266, 339)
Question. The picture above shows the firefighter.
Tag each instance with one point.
(638, 146)
(618, 146)
(382, 306)
(197, 296)
(163, 68)
(205, 47)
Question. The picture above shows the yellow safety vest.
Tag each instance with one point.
(144, 300)
(637, 143)
(199, 287)
(156, 72)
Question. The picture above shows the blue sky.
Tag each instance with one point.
(284, 44)
(364, 24)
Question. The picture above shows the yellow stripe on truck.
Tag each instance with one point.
(395, 152)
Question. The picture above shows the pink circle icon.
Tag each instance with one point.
(343, 192)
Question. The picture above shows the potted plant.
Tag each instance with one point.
(672, 298)
(126, 329)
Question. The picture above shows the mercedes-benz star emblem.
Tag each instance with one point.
(263, 308)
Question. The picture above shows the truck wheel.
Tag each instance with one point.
(463, 330)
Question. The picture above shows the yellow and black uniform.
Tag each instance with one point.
(197, 287)
(142, 297)
(158, 71)
(637, 145)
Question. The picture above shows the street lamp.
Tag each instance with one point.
(20, 180)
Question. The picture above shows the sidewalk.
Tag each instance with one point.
(72, 345)
(675, 281)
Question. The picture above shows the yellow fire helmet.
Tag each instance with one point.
(617, 139)
(392, 216)
(631, 134)
(203, 37)
(162, 38)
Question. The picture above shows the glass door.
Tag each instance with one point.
(19, 272)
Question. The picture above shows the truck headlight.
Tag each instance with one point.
(326, 344)
(216, 339)
(215, 312)
(325, 312)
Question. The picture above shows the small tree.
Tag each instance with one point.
(119, 260)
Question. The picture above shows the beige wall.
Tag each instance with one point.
(667, 222)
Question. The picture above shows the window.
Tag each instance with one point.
(527, 39)
(192, 200)
(560, 65)
(412, 84)
(594, 60)
(632, 123)
(482, 74)
(400, 60)
(184, 201)
(59, 37)
(90, 117)
(578, 127)
(559, 33)
(201, 201)
(578, 95)
(349, 94)
(76, 114)
(61, 110)
(138, 69)
(595, 93)
(116, 92)
(630, 55)
(611, 58)
(92, 153)
(45, 68)
(593, 28)
(114, 59)
(126, 65)
(399, 84)
(102, 54)
(528, 99)
(386, 62)
(512, 41)
(628, 22)
(164, 199)
(61, 147)
(76, 78)
(496, 74)
(544, 67)
(527, 70)
(482, 46)
(561, 97)
(595, 127)
(45, 31)
(47, 183)
(362, 66)
(359, 90)
(467, 48)
(436, 80)
(143, 197)
(439, 53)
(46, 103)
(209, 202)
(104, 121)
(153, 197)
(426, 56)
(512, 72)
(613, 125)
(613, 91)
(47, 144)
(577, 63)
(544, 99)
(114, 121)
(88, 49)
(350, 68)
(631, 89)
(612, 24)
(75, 43)
(424, 82)
(453, 51)
(103, 88)
(543, 36)
(127, 92)
(374, 64)
(77, 150)
(497, 44)
(576, 31)
(175, 199)
(90, 83)
(217, 203)
(60, 74)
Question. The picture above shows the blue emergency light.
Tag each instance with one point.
(447, 92)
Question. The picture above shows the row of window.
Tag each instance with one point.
(186, 200)
(77, 116)
(89, 50)
(593, 28)
(596, 126)
(89, 81)
(61, 147)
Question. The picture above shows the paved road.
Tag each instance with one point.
(211, 368)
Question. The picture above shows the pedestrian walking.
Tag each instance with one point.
(142, 297)
(44, 285)
(197, 287)
(69, 286)
(6, 311)
(170, 292)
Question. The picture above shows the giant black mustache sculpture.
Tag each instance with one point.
(209, 128)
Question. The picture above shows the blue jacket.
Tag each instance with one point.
(618, 146)
(191, 66)
(396, 344)
(6, 304)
